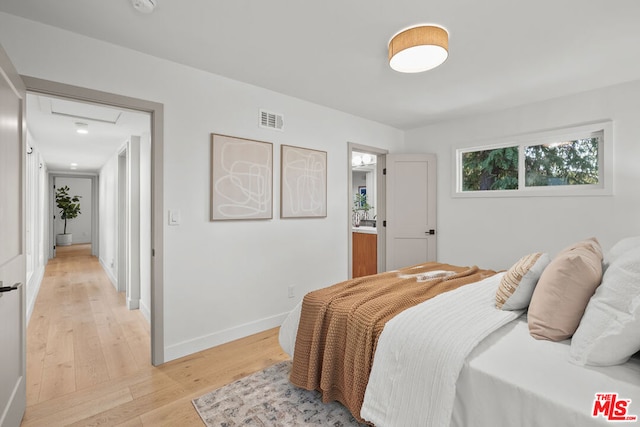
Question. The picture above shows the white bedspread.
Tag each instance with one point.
(511, 379)
(421, 351)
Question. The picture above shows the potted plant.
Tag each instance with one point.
(360, 209)
(69, 208)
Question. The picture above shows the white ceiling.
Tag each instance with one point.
(52, 123)
(503, 53)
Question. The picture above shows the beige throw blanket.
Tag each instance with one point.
(340, 326)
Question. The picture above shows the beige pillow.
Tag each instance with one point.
(564, 289)
(517, 284)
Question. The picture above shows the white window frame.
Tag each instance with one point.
(605, 163)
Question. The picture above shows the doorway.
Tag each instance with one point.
(366, 178)
(132, 214)
(155, 110)
(85, 225)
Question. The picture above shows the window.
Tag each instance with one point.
(494, 169)
(562, 163)
(574, 161)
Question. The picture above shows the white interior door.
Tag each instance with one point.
(12, 244)
(411, 209)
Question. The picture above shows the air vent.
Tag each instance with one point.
(271, 120)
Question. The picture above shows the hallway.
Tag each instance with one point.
(81, 334)
(88, 356)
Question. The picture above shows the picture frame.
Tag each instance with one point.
(303, 182)
(362, 191)
(241, 179)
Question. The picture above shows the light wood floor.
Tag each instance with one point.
(88, 359)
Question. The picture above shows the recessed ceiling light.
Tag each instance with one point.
(82, 128)
(73, 166)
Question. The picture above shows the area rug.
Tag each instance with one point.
(266, 398)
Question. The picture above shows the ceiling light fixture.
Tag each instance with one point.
(418, 49)
(82, 128)
(362, 159)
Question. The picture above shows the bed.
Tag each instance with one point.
(546, 356)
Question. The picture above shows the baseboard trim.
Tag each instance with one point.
(133, 304)
(34, 283)
(204, 342)
(146, 312)
(110, 275)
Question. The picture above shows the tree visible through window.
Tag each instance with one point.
(562, 163)
(570, 158)
(495, 169)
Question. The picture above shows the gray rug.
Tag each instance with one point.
(266, 398)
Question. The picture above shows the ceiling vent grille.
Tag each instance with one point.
(271, 120)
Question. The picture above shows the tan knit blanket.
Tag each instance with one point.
(340, 326)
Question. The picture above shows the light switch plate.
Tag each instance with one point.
(174, 217)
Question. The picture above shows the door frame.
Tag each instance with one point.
(381, 193)
(156, 111)
(95, 226)
(128, 240)
(123, 235)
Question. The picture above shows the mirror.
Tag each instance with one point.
(363, 171)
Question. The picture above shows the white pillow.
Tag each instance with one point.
(517, 284)
(623, 245)
(609, 332)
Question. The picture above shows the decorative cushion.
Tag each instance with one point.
(609, 331)
(517, 284)
(563, 291)
(624, 245)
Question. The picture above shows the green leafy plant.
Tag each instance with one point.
(361, 206)
(561, 163)
(495, 169)
(69, 205)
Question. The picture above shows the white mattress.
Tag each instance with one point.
(511, 379)
(289, 330)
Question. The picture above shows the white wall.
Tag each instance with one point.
(359, 179)
(222, 280)
(495, 232)
(36, 222)
(108, 214)
(108, 196)
(145, 226)
(79, 227)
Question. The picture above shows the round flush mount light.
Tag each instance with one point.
(144, 6)
(418, 49)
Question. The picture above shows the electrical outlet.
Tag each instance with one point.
(291, 291)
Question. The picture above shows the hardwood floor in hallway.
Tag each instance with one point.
(88, 356)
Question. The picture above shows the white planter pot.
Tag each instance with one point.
(63, 239)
